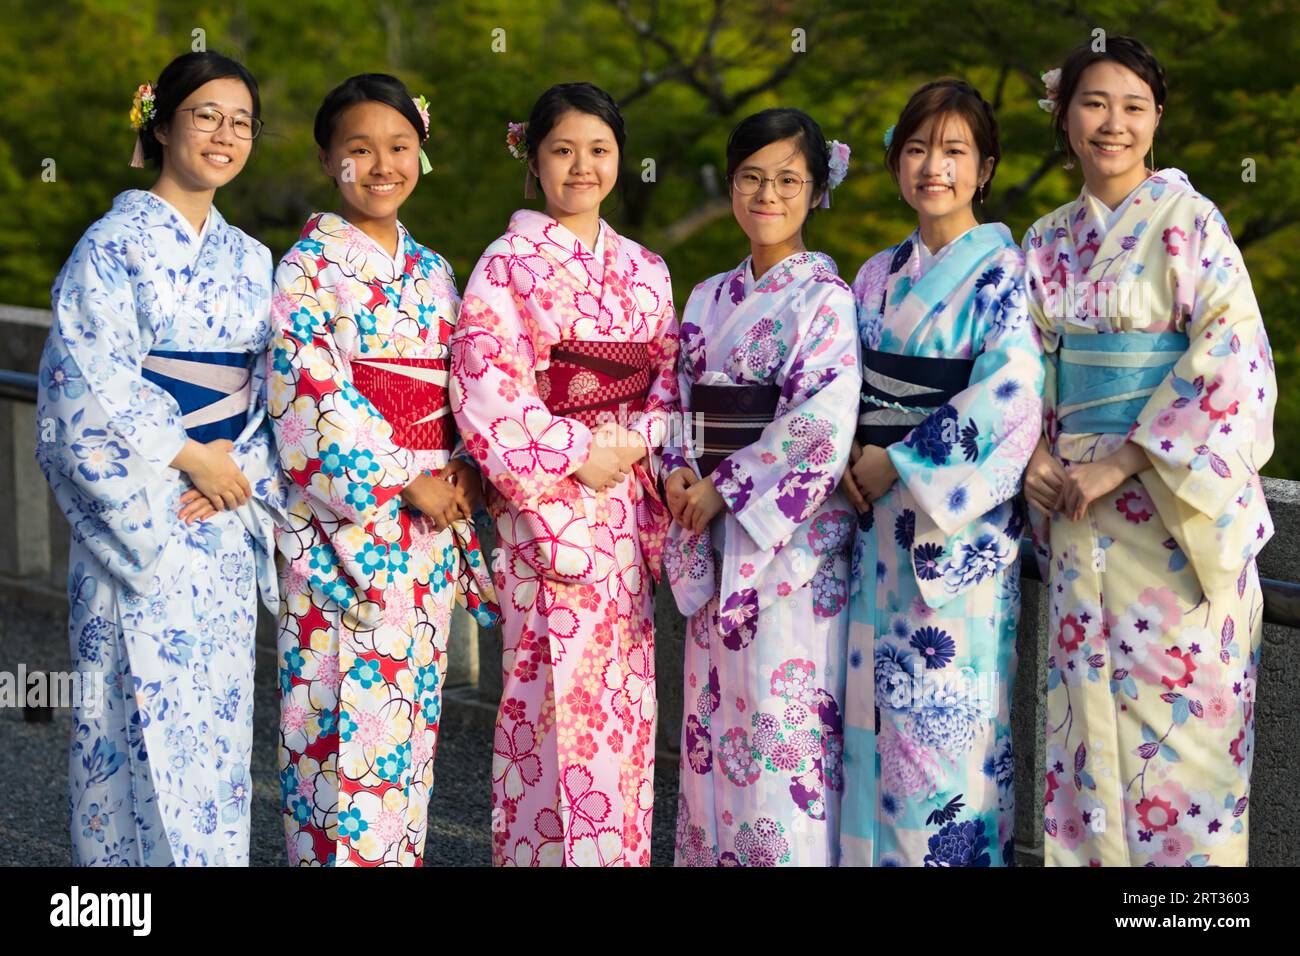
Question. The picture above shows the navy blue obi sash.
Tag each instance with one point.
(901, 391)
(727, 419)
(212, 389)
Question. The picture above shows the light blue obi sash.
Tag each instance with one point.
(1104, 381)
(212, 389)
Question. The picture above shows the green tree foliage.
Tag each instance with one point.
(685, 73)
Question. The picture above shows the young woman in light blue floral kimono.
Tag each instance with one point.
(153, 441)
(951, 398)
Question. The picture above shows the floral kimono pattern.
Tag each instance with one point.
(573, 763)
(1156, 609)
(765, 587)
(936, 565)
(162, 614)
(367, 583)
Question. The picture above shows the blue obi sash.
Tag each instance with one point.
(901, 391)
(212, 389)
(1103, 381)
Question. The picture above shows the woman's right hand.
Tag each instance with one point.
(849, 485)
(603, 468)
(675, 487)
(1044, 480)
(214, 473)
(438, 499)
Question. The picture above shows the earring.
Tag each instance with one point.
(1153, 155)
(983, 189)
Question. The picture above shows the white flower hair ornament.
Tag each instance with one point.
(1051, 82)
(839, 168)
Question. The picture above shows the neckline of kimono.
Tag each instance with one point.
(600, 244)
(1111, 216)
(924, 251)
(199, 236)
(394, 260)
(758, 280)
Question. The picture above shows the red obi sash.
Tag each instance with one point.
(587, 378)
(411, 393)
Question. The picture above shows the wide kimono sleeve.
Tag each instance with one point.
(522, 449)
(655, 423)
(332, 441)
(254, 452)
(1209, 426)
(778, 482)
(968, 456)
(106, 436)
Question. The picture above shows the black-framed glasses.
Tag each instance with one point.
(209, 120)
(787, 185)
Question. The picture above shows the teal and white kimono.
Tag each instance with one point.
(952, 385)
(157, 335)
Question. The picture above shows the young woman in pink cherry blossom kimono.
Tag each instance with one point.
(378, 545)
(953, 374)
(1149, 508)
(563, 378)
(758, 555)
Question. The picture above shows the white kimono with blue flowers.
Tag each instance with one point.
(162, 614)
(936, 591)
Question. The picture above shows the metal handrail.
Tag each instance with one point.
(18, 386)
(1281, 598)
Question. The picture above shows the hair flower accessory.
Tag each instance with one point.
(1052, 82)
(839, 168)
(143, 111)
(422, 106)
(516, 140)
(889, 137)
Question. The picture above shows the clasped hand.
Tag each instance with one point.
(1050, 487)
(871, 473)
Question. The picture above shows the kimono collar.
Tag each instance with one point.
(1101, 215)
(564, 246)
(331, 226)
(164, 213)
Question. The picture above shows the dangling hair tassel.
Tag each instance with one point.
(426, 167)
(530, 189)
(137, 157)
(826, 200)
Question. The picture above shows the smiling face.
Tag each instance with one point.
(1111, 122)
(577, 164)
(939, 168)
(199, 160)
(767, 218)
(374, 157)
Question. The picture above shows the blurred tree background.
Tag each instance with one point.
(685, 72)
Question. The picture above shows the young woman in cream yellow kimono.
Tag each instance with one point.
(1147, 501)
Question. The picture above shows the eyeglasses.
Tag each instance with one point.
(208, 120)
(787, 185)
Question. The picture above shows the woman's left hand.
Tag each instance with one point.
(1087, 482)
(874, 472)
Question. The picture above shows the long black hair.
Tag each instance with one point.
(773, 125)
(1123, 50)
(363, 88)
(181, 77)
(583, 97)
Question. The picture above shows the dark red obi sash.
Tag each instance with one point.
(411, 393)
(729, 418)
(587, 378)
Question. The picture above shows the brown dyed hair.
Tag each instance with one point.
(947, 97)
(1123, 50)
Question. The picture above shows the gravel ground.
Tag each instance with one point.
(33, 815)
